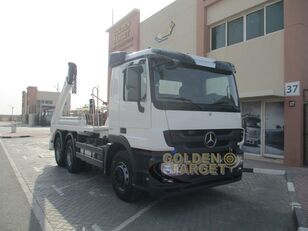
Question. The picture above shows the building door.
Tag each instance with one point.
(274, 129)
(306, 134)
(251, 121)
(263, 122)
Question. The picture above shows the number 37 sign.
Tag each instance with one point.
(291, 89)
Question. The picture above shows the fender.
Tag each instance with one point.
(69, 136)
(123, 141)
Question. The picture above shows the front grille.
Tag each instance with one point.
(193, 140)
(219, 143)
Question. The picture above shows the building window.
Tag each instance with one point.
(274, 17)
(255, 24)
(218, 36)
(266, 20)
(235, 31)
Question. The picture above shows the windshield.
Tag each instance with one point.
(191, 87)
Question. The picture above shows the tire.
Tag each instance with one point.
(121, 177)
(59, 153)
(73, 164)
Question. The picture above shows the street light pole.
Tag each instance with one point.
(13, 125)
(12, 113)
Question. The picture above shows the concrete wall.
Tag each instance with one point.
(183, 36)
(259, 63)
(9, 117)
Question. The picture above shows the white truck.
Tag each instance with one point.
(160, 102)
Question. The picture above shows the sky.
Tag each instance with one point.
(39, 37)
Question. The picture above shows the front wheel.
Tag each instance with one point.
(121, 176)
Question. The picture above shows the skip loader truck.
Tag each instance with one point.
(173, 124)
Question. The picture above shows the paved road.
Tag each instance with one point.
(299, 176)
(86, 201)
(15, 211)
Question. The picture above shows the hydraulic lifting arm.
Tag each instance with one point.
(70, 83)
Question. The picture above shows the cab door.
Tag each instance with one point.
(135, 115)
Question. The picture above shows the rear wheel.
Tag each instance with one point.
(73, 164)
(59, 154)
(121, 176)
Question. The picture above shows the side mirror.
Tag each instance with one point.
(133, 85)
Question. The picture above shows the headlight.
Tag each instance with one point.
(240, 159)
(242, 137)
(169, 169)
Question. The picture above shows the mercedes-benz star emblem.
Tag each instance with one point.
(210, 139)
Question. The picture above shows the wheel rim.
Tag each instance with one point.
(69, 156)
(121, 176)
(58, 150)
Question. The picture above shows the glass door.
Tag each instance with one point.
(251, 121)
(274, 129)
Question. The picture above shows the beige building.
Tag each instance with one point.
(266, 40)
(38, 106)
(174, 27)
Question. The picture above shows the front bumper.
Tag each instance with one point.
(148, 177)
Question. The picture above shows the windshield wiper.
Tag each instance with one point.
(183, 100)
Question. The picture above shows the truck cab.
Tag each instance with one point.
(173, 124)
(166, 102)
